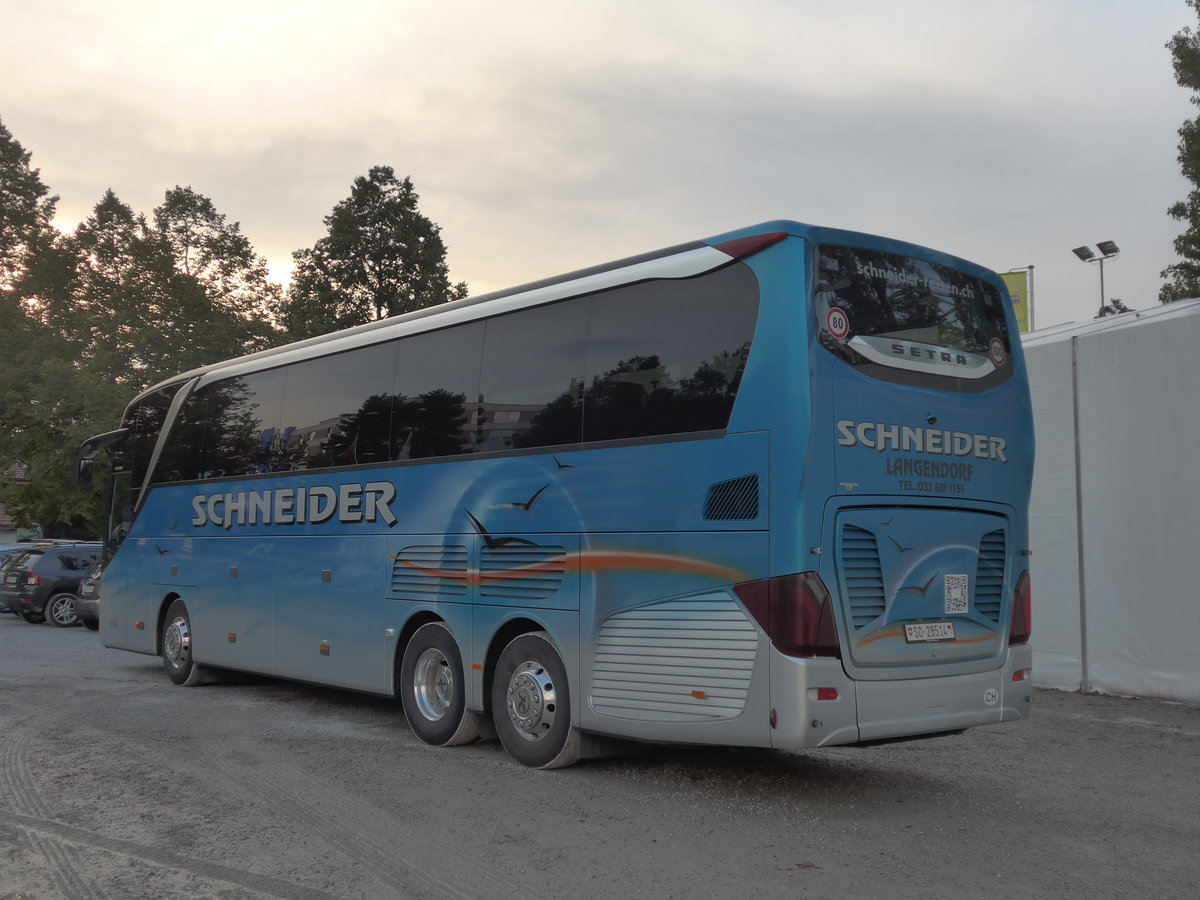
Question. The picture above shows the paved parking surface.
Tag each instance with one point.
(115, 783)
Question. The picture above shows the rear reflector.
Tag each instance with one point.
(1022, 611)
(796, 613)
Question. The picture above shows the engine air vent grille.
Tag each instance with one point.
(733, 500)
(862, 574)
(989, 575)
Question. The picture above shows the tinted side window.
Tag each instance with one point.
(243, 435)
(666, 357)
(531, 381)
(144, 421)
(437, 393)
(76, 560)
(182, 457)
(337, 410)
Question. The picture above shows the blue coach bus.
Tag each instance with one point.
(765, 489)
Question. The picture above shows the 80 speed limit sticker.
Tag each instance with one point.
(837, 322)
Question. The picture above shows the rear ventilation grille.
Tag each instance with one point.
(734, 500)
(521, 572)
(863, 575)
(989, 576)
(687, 660)
(430, 572)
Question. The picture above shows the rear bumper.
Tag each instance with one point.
(881, 710)
(889, 709)
(88, 609)
(25, 604)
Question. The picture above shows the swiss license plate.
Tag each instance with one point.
(925, 632)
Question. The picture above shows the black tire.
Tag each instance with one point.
(433, 688)
(176, 640)
(531, 704)
(60, 611)
(91, 624)
(31, 617)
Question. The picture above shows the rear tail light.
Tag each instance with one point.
(1022, 611)
(796, 613)
(33, 580)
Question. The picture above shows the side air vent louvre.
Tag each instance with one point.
(430, 571)
(989, 576)
(521, 572)
(863, 575)
(733, 500)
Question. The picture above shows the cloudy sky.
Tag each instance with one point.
(549, 136)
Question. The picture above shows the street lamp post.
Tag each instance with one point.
(1108, 250)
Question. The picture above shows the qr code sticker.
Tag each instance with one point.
(956, 594)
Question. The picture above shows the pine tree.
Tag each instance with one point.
(25, 211)
(381, 258)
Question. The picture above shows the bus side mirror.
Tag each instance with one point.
(83, 475)
(85, 459)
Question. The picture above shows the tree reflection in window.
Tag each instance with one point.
(889, 295)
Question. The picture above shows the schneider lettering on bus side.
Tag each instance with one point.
(907, 439)
(348, 503)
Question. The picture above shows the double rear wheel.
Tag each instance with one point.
(433, 688)
(531, 704)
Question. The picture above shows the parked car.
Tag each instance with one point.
(7, 552)
(87, 600)
(40, 583)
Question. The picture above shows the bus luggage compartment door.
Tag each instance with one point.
(920, 587)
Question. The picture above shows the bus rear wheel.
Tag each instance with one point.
(531, 704)
(176, 641)
(433, 688)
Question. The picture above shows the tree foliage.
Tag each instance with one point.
(26, 209)
(381, 257)
(1183, 277)
(1113, 307)
(89, 319)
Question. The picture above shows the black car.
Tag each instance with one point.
(7, 552)
(87, 600)
(40, 583)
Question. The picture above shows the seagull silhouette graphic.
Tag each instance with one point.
(496, 542)
(920, 591)
(527, 504)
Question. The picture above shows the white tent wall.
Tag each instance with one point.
(1053, 526)
(1115, 515)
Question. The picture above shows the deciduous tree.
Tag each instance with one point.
(1183, 277)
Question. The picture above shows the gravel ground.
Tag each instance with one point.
(116, 784)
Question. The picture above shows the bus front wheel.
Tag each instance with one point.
(531, 704)
(176, 640)
(433, 688)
